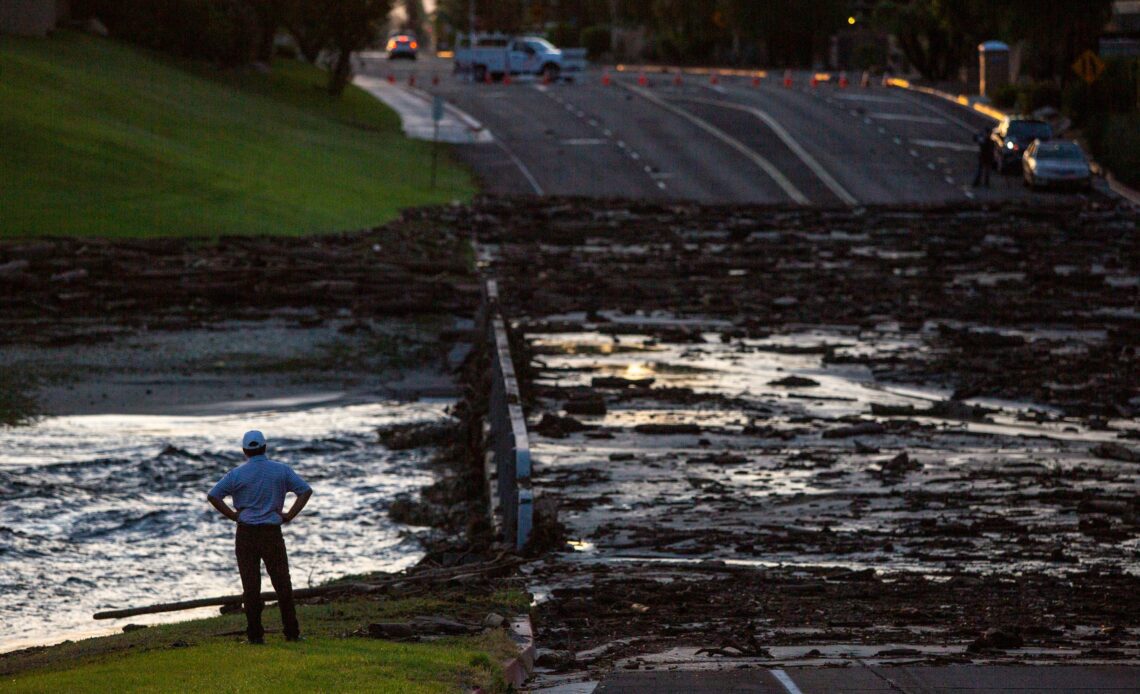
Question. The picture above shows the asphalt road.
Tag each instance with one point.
(908, 680)
(730, 142)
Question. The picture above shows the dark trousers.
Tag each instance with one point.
(983, 174)
(254, 544)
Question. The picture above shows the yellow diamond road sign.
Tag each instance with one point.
(1088, 67)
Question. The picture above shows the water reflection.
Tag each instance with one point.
(102, 512)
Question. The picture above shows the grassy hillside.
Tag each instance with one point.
(99, 138)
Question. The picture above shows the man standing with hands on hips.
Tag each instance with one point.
(258, 488)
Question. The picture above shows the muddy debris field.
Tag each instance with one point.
(763, 428)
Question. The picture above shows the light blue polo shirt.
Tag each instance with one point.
(258, 488)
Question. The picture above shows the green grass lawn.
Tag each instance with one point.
(100, 138)
(211, 654)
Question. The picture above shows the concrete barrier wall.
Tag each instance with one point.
(508, 443)
(30, 17)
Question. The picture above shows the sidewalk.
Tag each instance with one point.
(415, 110)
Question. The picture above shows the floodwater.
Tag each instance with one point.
(771, 478)
(109, 511)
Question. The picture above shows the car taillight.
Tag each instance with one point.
(415, 45)
(391, 44)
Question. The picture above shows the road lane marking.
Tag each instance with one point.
(791, 143)
(522, 167)
(783, 678)
(584, 142)
(868, 97)
(908, 117)
(775, 174)
(953, 119)
(940, 144)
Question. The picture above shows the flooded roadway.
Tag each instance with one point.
(761, 452)
(108, 511)
(772, 432)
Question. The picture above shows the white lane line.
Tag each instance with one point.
(940, 144)
(775, 174)
(584, 141)
(783, 679)
(953, 119)
(791, 143)
(867, 97)
(908, 117)
(522, 167)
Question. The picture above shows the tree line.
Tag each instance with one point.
(238, 32)
(774, 32)
(938, 37)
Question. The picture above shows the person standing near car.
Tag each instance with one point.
(258, 489)
(985, 158)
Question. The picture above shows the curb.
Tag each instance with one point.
(519, 668)
(977, 106)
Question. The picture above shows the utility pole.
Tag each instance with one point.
(471, 20)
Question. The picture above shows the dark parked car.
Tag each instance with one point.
(1012, 136)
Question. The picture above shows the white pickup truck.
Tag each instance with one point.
(496, 56)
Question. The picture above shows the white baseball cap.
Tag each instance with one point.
(252, 440)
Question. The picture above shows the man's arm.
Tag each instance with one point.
(298, 504)
(223, 509)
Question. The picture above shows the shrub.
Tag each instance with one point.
(1038, 95)
(1115, 142)
(564, 36)
(222, 31)
(1005, 96)
(596, 41)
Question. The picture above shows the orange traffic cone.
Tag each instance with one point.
(756, 80)
(506, 78)
(678, 80)
(606, 79)
(642, 80)
(843, 83)
(788, 79)
(714, 78)
(814, 81)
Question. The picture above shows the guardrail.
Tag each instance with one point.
(509, 445)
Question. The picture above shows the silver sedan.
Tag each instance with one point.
(1056, 163)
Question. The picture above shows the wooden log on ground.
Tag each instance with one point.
(299, 594)
(450, 573)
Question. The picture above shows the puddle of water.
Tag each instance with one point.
(109, 511)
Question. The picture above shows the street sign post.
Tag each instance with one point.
(1089, 66)
(436, 117)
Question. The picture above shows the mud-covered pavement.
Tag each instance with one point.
(769, 431)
